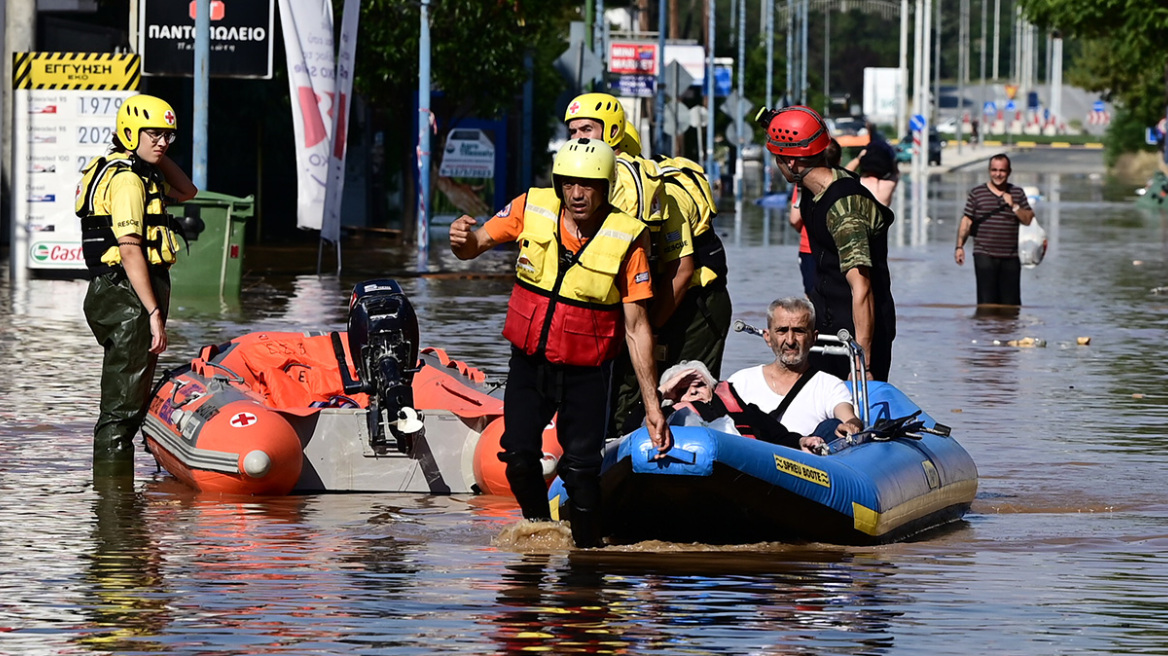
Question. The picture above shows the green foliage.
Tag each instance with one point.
(477, 50)
(1125, 134)
(1126, 51)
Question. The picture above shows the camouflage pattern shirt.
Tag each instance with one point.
(853, 220)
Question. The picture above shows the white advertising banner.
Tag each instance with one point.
(308, 42)
(331, 226)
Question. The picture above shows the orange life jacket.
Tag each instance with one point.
(568, 308)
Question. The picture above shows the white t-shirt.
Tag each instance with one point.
(813, 404)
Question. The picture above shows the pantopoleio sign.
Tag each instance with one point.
(241, 37)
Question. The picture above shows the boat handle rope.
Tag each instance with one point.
(231, 375)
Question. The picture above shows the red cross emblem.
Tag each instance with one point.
(168, 117)
(243, 420)
(574, 107)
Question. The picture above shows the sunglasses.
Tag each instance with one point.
(165, 136)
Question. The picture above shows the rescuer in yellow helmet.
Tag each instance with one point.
(129, 243)
(560, 285)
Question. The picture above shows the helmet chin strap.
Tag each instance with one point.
(799, 176)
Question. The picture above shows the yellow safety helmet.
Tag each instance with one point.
(630, 144)
(143, 111)
(600, 107)
(591, 159)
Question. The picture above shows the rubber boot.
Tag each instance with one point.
(586, 527)
(530, 491)
(113, 446)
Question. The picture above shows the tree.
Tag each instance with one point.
(1126, 56)
(477, 50)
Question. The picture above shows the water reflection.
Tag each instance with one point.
(125, 594)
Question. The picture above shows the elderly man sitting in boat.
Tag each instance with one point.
(692, 396)
(807, 401)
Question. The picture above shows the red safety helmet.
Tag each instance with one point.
(796, 131)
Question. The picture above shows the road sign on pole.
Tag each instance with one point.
(677, 79)
(699, 116)
(676, 118)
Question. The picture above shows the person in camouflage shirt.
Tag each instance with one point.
(848, 232)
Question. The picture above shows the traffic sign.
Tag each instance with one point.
(917, 122)
(699, 116)
(1010, 106)
(733, 106)
(1098, 106)
(579, 64)
(677, 79)
(676, 119)
(989, 108)
(732, 134)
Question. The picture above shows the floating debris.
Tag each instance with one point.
(1083, 341)
(1025, 342)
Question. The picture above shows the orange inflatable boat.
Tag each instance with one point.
(273, 413)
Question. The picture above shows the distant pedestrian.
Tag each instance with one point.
(993, 212)
(877, 166)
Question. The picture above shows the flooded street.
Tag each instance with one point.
(1058, 556)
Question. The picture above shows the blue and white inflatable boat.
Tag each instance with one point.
(897, 480)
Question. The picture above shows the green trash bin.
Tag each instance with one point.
(211, 262)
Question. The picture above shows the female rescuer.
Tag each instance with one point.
(129, 243)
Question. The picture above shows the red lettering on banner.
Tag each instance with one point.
(314, 130)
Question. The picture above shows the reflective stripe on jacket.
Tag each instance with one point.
(572, 314)
(98, 242)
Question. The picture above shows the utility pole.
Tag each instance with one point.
(902, 99)
(962, 59)
(1056, 77)
(933, 117)
(982, 53)
(424, 136)
(659, 97)
(997, 34)
(803, 55)
(788, 96)
(202, 75)
(740, 127)
(826, 59)
(769, 23)
(710, 38)
(19, 36)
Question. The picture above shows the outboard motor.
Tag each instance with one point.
(383, 340)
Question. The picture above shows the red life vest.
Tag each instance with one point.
(572, 314)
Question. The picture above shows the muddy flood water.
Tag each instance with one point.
(1063, 552)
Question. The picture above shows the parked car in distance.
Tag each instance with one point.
(849, 131)
(904, 148)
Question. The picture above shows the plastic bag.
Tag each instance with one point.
(1031, 244)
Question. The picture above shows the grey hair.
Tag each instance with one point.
(794, 305)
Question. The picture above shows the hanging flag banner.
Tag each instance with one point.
(308, 43)
(334, 190)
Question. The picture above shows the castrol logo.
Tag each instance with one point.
(243, 420)
(56, 253)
